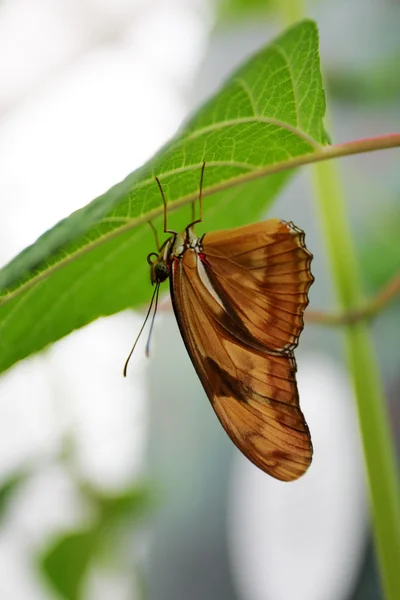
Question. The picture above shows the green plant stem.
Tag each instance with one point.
(380, 142)
(367, 311)
(374, 424)
(376, 436)
(324, 153)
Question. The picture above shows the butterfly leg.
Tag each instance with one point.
(155, 235)
(165, 208)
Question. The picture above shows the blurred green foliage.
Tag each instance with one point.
(370, 84)
(8, 488)
(239, 9)
(65, 563)
(379, 248)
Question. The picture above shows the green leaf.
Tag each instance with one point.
(266, 116)
(66, 562)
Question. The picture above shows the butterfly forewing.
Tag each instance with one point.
(263, 272)
(240, 328)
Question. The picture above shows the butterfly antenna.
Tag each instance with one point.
(155, 295)
(152, 322)
(193, 203)
(199, 220)
(201, 191)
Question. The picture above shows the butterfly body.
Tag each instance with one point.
(173, 249)
(239, 297)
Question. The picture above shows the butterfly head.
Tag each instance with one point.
(159, 268)
(160, 264)
(159, 271)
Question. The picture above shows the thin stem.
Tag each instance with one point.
(326, 153)
(379, 142)
(370, 309)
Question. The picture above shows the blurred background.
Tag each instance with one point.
(129, 489)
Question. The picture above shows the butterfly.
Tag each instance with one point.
(239, 296)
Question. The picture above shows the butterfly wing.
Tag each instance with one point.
(262, 273)
(252, 388)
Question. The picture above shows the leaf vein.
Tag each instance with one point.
(258, 119)
(249, 94)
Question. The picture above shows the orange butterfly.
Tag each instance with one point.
(239, 297)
